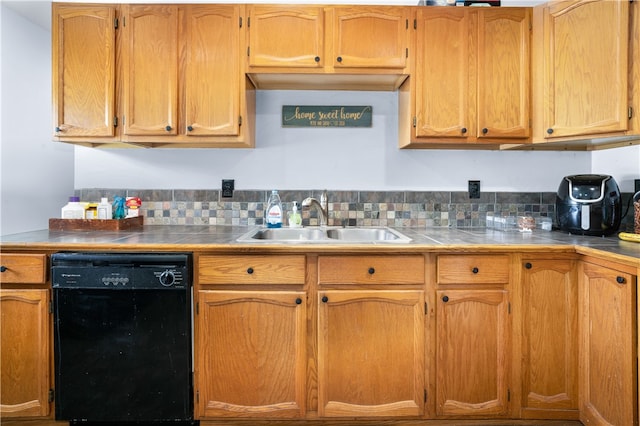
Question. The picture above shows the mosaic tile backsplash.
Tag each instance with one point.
(350, 208)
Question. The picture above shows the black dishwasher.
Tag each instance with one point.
(123, 337)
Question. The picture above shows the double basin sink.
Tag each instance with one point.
(324, 235)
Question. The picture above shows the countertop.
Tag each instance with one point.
(223, 238)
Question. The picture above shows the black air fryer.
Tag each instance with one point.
(588, 205)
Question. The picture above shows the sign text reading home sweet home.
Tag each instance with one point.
(326, 116)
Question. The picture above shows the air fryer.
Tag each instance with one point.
(588, 205)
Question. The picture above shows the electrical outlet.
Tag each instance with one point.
(227, 188)
(474, 189)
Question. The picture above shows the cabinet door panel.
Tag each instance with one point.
(370, 37)
(587, 68)
(442, 77)
(291, 36)
(83, 70)
(24, 335)
(550, 338)
(472, 352)
(212, 77)
(150, 63)
(608, 356)
(370, 353)
(503, 73)
(251, 354)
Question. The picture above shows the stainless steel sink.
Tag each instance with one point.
(327, 235)
(287, 234)
(367, 235)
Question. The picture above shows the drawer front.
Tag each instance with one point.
(23, 268)
(473, 269)
(371, 269)
(252, 269)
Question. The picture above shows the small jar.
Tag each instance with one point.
(636, 210)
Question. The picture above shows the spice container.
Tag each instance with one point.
(544, 223)
(526, 223)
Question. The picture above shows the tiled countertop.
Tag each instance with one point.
(216, 238)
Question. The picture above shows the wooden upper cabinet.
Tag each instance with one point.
(150, 68)
(472, 74)
(504, 73)
(442, 56)
(584, 68)
(370, 37)
(212, 70)
(286, 36)
(83, 70)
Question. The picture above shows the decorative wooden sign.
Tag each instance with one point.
(326, 116)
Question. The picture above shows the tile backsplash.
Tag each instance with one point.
(351, 208)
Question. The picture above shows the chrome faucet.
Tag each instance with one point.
(322, 206)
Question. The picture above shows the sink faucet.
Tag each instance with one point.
(322, 206)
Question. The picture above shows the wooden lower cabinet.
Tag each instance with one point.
(250, 354)
(472, 352)
(25, 337)
(608, 351)
(549, 323)
(370, 353)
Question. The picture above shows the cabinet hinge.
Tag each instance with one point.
(425, 308)
(425, 395)
(248, 51)
(414, 122)
(115, 23)
(50, 307)
(508, 395)
(198, 396)
(415, 24)
(407, 24)
(509, 308)
(115, 121)
(241, 22)
(248, 21)
(630, 112)
(407, 52)
(124, 21)
(197, 308)
(52, 395)
(240, 121)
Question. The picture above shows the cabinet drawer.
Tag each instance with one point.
(473, 269)
(23, 268)
(371, 269)
(252, 269)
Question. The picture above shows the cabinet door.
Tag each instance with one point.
(24, 338)
(150, 66)
(503, 73)
(472, 358)
(286, 36)
(370, 353)
(250, 354)
(443, 94)
(83, 68)
(608, 357)
(549, 339)
(370, 37)
(585, 67)
(212, 70)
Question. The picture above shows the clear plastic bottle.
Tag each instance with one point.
(73, 209)
(105, 210)
(273, 213)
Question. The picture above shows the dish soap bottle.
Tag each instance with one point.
(273, 215)
(295, 220)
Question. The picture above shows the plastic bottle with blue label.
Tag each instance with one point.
(273, 214)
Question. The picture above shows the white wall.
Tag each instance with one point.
(36, 176)
(347, 159)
